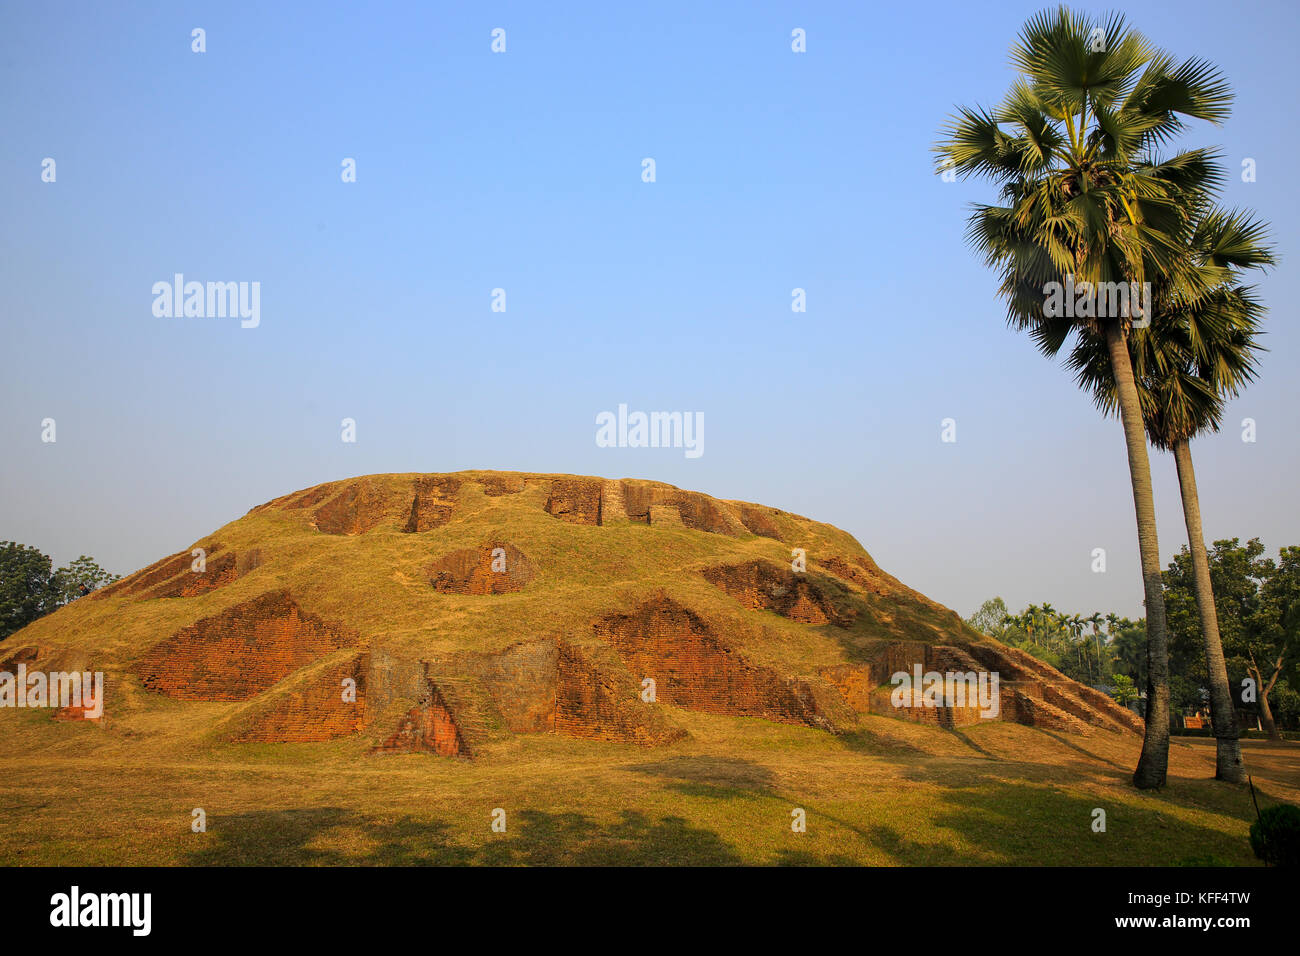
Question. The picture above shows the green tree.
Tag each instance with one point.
(1086, 199)
(80, 577)
(991, 617)
(27, 587)
(1095, 621)
(30, 589)
(1129, 644)
(1124, 693)
(1272, 645)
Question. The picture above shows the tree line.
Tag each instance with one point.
(1258, 604)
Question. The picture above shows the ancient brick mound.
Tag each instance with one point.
(608, 633)
(495, 568)
(762, 585)
(240, 652)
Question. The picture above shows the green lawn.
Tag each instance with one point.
(891, 794)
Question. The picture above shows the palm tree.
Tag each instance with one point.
(1085, 197)
(1094, 620)
(1031, 621)
(1201, 353)
(1076, 625)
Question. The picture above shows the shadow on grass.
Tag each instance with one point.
(336, 837)
(1019, 825)
(718, 777)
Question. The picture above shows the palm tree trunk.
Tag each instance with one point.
(1153, 765)
(1228, 764)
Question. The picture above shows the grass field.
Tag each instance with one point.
(893, 793)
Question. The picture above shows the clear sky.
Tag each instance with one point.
(523, 171)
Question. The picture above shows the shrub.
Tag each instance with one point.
(1275, 836)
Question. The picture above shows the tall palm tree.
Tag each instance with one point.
(1202, 353)
(1094, 620)
(1031, 621)
(1084, 197)
(1077, 624)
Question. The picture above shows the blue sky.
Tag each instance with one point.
(522, 171)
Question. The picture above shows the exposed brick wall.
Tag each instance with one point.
(702, 513)
(697, 511)
(12, 657)
(902, 655)
(314, 712)
(575, 500)
(946, 657)
(611, 503)
(637, 499)
(429, 726)
(598, 699)
(496, 485)
(155, 574)
(759, 520)
(390, 680)
(313, 496)
(296, 500)
(78, 712)
(433, 502)
(240, 652)
(865, 574)
(219, 571)
(943, 715)
(1030, 692)
(470, 571)
(521, 680)
(360, 506)
(1035, 712)
(693, 668)
(762, 585)
(1058, 693)
(855, 683)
